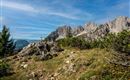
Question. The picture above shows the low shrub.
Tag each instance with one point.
(119, 42)
(4, 69)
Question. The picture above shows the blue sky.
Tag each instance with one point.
(31, 19)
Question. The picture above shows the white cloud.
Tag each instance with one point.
(18, 6)
(29, 8)
(32, 28)
(63, 15)
(71, 12)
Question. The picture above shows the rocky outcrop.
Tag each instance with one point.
(41, 49)
(60, 33)
(90, 27)
(119, 24)
(91, 30)
(77, 30)
(115, 26)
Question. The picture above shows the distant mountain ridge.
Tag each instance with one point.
(20, 43)
(91, 30)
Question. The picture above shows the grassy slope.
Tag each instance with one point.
(73, 64)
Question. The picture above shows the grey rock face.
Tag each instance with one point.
(42, 49)
(90, 27)
(91, 30)
(60, 33)
(119, 24)
(64, 31)
(77, 30)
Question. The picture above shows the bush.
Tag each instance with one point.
(74, 42)
(120, 42)
(4, 69)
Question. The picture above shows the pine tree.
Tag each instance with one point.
(6, 43)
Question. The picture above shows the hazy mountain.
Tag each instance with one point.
(32, 41)
(21, 43)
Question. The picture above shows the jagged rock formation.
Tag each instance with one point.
(91, 30)
(60, 33)
(77, 30)
(42, 49)
(90, 27)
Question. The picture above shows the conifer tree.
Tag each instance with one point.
(7, 45)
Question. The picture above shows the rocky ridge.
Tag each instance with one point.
(91, 30)
(42, 50)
